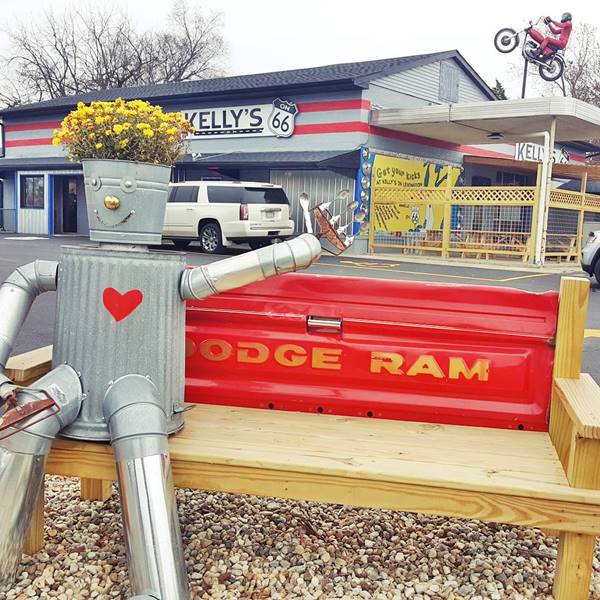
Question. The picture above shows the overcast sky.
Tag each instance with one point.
(267, 35)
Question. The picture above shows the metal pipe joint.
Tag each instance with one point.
(17, 294)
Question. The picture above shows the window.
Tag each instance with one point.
(32, 191)
(232, 194)
(504, 178)
(184, 193)
(264, 196)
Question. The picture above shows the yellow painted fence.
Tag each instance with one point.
(478, 222)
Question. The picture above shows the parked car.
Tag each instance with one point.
(222, 213)
(590, 255)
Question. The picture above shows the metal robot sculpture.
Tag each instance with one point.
(118, 370)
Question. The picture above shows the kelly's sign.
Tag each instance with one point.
(256, 120)
(535, 153)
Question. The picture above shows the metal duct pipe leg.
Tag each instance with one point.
(138, 429)
(22, 460)
(230, 273)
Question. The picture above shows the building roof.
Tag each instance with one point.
(504, 120)
(573, 171)
(341, 159)
(354, 74)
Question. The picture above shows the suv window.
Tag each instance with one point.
(260, 195)
(184, 193)
(230, 194)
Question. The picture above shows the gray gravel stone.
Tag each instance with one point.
(247, 548)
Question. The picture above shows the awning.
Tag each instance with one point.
(50, 162)
(559, 171)
(489, 122)
(320, 159)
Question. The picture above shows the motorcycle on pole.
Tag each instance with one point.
(550, 66)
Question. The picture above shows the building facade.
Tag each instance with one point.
(304, 129)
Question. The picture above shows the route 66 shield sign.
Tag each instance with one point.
(282, 118)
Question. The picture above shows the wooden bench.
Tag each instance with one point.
(539, 479)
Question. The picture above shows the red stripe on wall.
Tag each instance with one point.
(29, 142)
(344, 127)
(354, 104)
(417, 139)
(32, 126)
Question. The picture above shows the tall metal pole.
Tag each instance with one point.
(542, 222)
(524, 79)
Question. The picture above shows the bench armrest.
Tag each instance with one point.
(575, 429)
(581, 400)
(25, 368)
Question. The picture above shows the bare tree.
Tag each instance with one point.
(99, 48)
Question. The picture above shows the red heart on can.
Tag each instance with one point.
(121, 305)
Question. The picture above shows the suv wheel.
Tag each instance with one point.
(597, 270)
(210, 238)
(257, 245)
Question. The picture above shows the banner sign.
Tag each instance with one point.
(254, 120)
(535, 153)
(390, 171)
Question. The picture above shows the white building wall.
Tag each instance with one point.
(423, 83)
(321, 186)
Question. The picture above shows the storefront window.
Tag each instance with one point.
(32, 191)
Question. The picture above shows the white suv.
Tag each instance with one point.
(221, 213)
(590, 255)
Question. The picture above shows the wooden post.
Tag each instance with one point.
(447, 214)
(95, 489)
(579, 240)
(572, 314)
(34, 541)
(579, 456)
(574, 566)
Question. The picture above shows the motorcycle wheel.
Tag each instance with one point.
(506, 40)
(552, 69)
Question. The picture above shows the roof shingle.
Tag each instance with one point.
(354, 73)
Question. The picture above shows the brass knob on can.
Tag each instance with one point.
(112, 202)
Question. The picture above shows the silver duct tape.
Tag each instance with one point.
(136, 327)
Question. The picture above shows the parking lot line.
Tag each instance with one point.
(592, 333)
(351, 264)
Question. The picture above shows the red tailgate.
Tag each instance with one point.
(470, 355)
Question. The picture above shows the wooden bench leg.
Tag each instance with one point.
(574, 566)
(34, 541)
(95, 489)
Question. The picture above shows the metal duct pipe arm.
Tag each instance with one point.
(237, 271)
(17, 294)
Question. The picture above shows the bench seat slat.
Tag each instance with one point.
(223, 439)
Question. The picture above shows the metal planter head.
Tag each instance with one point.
(126, 200)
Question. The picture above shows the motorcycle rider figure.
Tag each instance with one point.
(549, 45)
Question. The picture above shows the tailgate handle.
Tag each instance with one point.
(323, 325)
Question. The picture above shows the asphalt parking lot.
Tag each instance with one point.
(38, 329)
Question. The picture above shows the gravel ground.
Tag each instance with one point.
(253, 548)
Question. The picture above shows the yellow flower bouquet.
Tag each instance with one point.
(132, 130)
